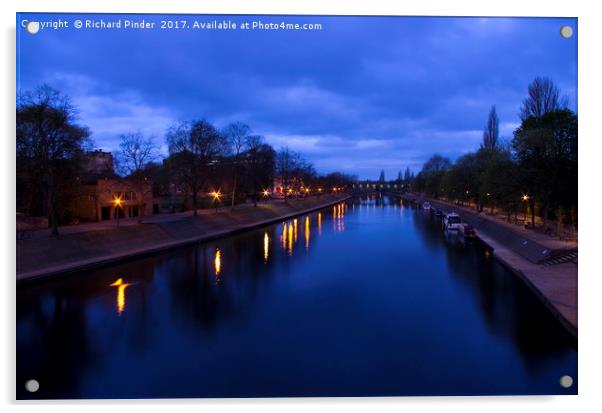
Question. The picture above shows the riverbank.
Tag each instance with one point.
(527, 255)
(42, 257)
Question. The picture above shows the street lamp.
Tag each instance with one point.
(216, 195)
(117, 202)
(525, 198)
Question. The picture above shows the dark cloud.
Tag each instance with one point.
(360, 95)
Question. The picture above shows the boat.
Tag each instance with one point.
(452, 221)
(467, 231)
(426, 206)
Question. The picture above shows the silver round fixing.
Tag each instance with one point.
(32, 386)
(33, 27)
(566, 381)
(566, 31)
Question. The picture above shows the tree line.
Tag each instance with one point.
(233, 163)
(535, 171)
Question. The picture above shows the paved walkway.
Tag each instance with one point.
(539, 237)
(126, 222)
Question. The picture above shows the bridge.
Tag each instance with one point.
(392, 188)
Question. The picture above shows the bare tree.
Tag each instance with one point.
(286, 163)
(49, 145)
(260, 165)
(236, 134)
(491, 132)
(136, 151)
(195, 145)
(544, 97)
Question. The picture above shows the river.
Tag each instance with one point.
(368, 297)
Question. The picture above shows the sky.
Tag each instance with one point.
(361, 95)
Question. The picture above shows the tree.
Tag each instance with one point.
(49, 146)
(196, 145)
(236, 134)
(461, 181)
(546, 148)
(500, 180)
(136, 151)
(261, 160)
(286, 165)
(491, 132)
(407, 175)
(543, 97)
(432, 173)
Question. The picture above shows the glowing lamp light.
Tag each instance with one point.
(525, 197)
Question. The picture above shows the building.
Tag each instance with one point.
(98, 163)
(98, 201)
(100, 188)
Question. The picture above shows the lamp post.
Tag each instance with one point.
(525, 198)
(117, 201)
(216, 195)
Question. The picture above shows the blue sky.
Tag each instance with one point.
(360, 95)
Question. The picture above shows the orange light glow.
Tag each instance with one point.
(283, 236)
(295, 233)
(319, 223)
(306, 233)
(266, 247)
(121, 286)
(290, 240)
(217, 262)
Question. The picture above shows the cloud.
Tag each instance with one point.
(361, 95)
(109, 113)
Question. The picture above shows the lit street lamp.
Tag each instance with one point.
(117, 202)
(216, 198)
(525, 198)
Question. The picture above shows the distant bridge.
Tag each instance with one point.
(391, 188)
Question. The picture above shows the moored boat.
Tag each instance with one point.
(452, 221)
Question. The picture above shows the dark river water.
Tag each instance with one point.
(363, 298)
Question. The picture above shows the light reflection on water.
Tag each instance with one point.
(307, 233)
(217, 264)
(266, 247)
(120, 299)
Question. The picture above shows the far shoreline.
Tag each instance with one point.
(59, 262)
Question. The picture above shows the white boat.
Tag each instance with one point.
(426, 206)
(452, 221)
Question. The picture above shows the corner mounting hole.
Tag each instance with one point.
(566, 381)
(566, 32)
(32, 386)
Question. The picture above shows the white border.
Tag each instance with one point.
(590, 284)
